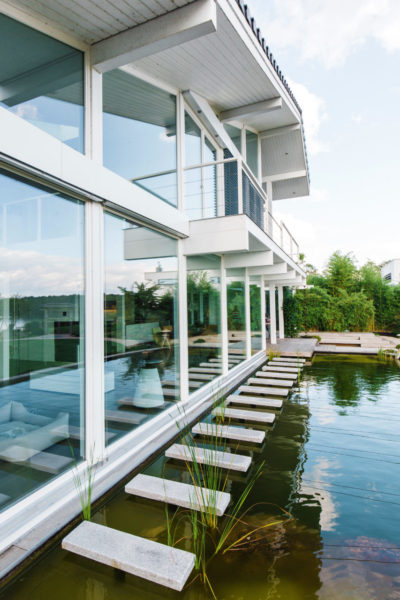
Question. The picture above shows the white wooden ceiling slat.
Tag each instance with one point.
(119, 15)
(88, 13)
(49, 13)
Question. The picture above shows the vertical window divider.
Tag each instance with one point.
(93, 126)
(247, 312)
(180, 149)
(263, 308)
(183, 325)
(94, 332)
(224, 318)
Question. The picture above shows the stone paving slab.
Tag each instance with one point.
(286, 359)
(286, 364)
(279, 369)
(230, 360)
(201, 377)
(180, 494)
(276, 382)
(123, 416)
(49, 462)
(241, 434)
(144, 558)
(254, 401)
(226, 460)
(277, 375)
(205, 370)
(244, 415)
(210, 365)
(267, 391)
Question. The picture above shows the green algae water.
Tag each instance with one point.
(332, 461)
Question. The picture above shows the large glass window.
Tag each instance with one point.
(140, 325)
(41, 80)
(204, 319)
(236, 314)
(252, 151)
(255, 317)
(139, 133)
(41, 335)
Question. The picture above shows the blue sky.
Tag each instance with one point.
(343, 62)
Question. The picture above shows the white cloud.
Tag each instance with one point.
(314, 114)
(330, 30)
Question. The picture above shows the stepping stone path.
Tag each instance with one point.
(277, 375)
(244, 415)
(288, 359)
(240, 434)
(226, 460)
(215, 370)
(280, 369)
(254, 401)
(263, 390)
(144, 558)
(180, 494)
(277, 382)
(285, 364)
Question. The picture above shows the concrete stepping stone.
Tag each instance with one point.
(244, 415)
(123, 416)
(216, 370)
(210, 365)
(200, 377)
(277, 375)
(285, 364)
(230, 360)
(263, 390)
(289, 359)
(276, 382)
(144, 558)
(226, 460)
(279, 369)
(49, 462)
(241, 434)
(180, 494)
(254, 401)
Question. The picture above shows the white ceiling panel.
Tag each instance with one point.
(290, 188)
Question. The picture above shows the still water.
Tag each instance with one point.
(332, 461)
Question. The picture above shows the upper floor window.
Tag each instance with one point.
(41, 80)
(235, 134)
(139, 133)
(252, 151)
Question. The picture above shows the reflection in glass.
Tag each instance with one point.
(139, 133)
(252, 151)
(255, 317)
(204, 317)
(235, 134)
(192, 142)
(140, 325)
(236, 313)
(41, 335)
(41, 80)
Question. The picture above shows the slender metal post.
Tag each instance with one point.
(183, 327)
(280, 312)
(247, 312)
(272, 316)
(263, 325)
(224, 318)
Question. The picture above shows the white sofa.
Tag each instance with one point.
(23, 434)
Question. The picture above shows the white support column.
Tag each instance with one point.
(272, 316)
(183, 327)
(94, 332)
(93, 112)
(224, 318)
(281, 334)
(180, 150)
(247, 312)
(240, 187)
(263, 327)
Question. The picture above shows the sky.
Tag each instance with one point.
(342, 61)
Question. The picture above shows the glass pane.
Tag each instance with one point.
(204, 316)
(41, 335)
(236, 314)
(193, 193)
(140, 325)
(192, 142)
(139, 133)
(41, 80)
(210, 191)
(210, 152)
(252, 151)
(235, 134)
(255, 317)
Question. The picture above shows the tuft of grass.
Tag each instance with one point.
(84, 483)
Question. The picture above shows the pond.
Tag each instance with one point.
(332, 461)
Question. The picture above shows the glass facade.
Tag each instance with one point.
(41, 80)
(141, 338)
(255, 317)
(139, 133)
(204, 316)
(236, 313)
(235, 134)
(41, 335)
(252, 151)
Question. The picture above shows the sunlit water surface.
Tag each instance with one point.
(332, 461)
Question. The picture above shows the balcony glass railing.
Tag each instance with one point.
(228, 187)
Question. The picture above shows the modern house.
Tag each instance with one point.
(390, 271)
(143, 146)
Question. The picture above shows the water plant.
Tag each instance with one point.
(273, 354)
(84, 482)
